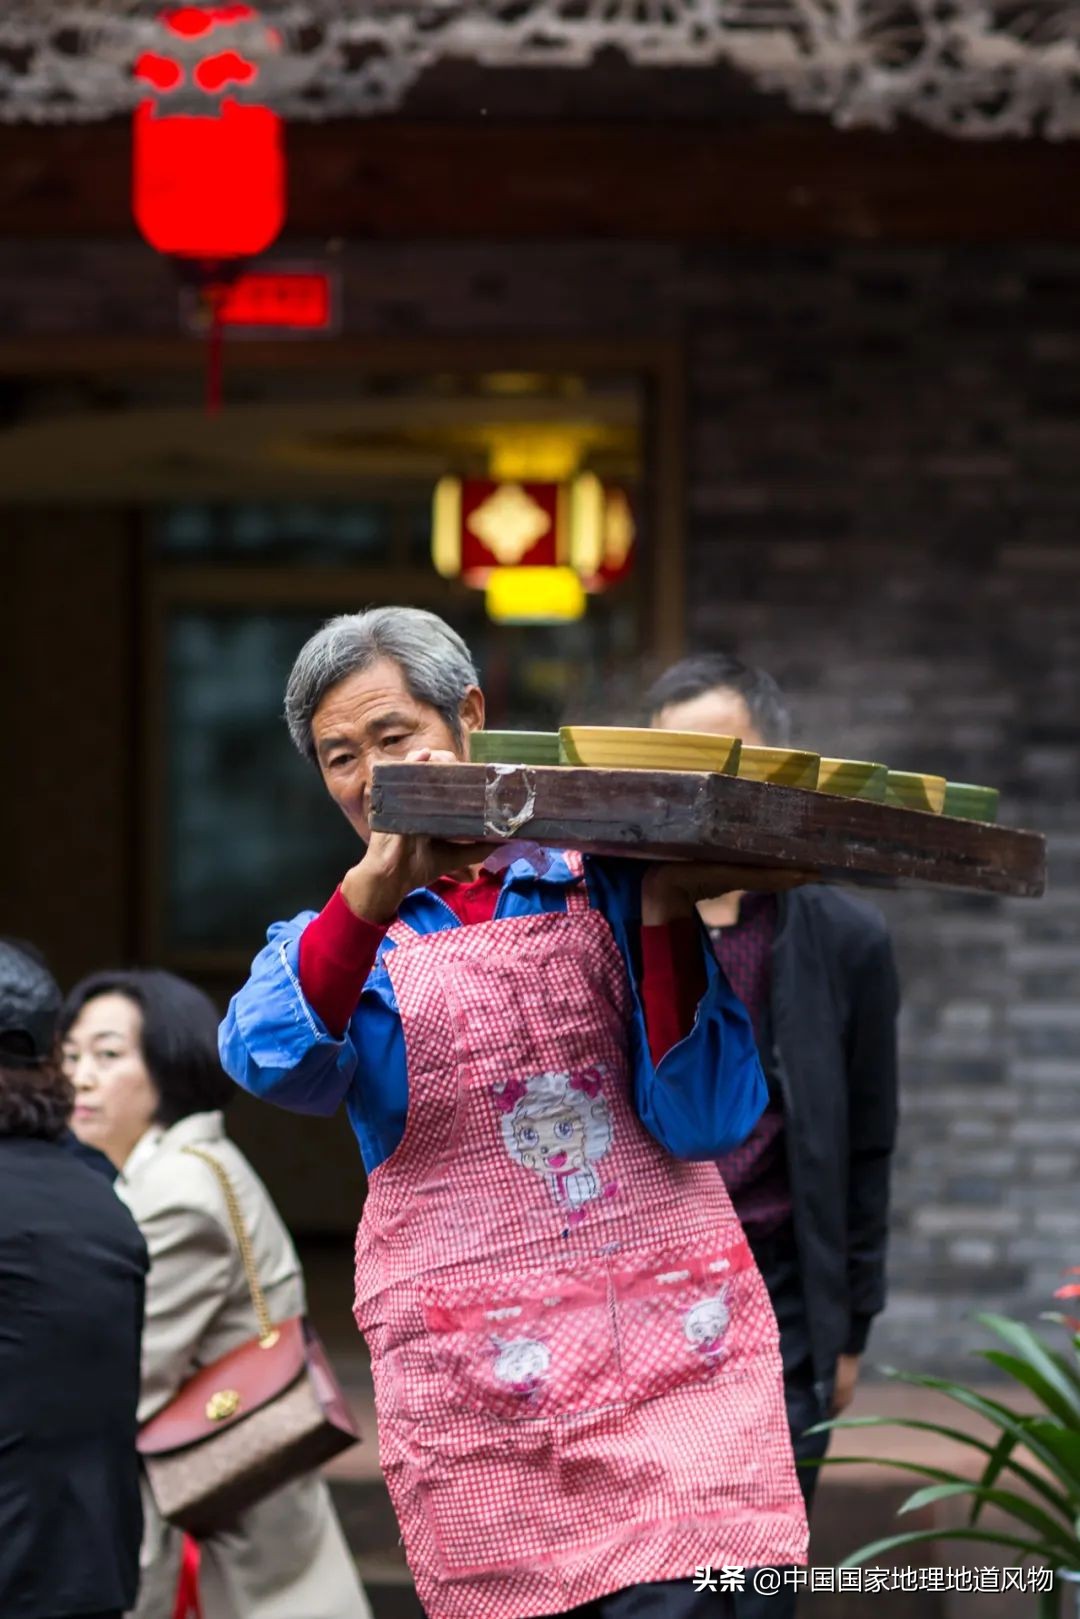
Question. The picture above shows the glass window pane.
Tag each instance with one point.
(252, 834)
(285, 532)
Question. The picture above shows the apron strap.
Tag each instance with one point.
(577, 896)
(577, 900)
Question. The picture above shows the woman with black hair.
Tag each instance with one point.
(140, 1048)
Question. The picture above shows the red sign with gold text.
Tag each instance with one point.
(290, 300)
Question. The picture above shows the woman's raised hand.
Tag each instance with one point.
(397, 862)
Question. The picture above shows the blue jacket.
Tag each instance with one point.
(703, 1098)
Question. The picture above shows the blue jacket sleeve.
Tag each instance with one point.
(708, 1092)
(274, 1044)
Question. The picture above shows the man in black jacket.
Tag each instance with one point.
(72, 1277)
(811, 1185)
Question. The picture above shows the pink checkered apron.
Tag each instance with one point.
(576, 1364)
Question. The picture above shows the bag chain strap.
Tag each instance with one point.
(268, 1333)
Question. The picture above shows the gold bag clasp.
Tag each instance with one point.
(222, 1405)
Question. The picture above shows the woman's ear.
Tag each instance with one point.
(471, 712)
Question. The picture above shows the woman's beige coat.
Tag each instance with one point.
(287, 1558)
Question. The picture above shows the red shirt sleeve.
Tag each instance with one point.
(337, 951)
(673, 980)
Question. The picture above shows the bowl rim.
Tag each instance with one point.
(855, 764)
(652, 731)
(970, 787)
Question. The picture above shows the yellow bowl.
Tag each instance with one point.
(907, 789)
(784, 767)
(853, 778)
(610, 747)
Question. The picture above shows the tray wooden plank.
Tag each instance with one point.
(681, 815)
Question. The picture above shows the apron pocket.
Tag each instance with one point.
(525, 1348)
(485, 1493)
(690, 1316)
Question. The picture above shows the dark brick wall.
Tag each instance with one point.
(884, 494)
(883, 490)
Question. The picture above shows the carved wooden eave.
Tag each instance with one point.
(969, 68)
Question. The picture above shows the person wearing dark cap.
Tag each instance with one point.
(44, 1016)
(72, 1280)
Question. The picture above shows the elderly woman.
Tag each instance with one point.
(576, 1367)
(141, 1051)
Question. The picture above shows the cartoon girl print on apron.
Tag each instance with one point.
(559, 1126)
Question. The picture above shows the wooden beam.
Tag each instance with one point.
(783, 179)
(149, 353)
(682, 815)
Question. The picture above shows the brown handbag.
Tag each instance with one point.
(258, 1418)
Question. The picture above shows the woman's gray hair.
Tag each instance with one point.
(436, 664)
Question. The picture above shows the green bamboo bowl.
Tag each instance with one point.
(514, 747)
(971, 803)
(907, 789)
(784, 767)
(853, 778)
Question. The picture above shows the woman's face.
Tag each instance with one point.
(115, 1098)
(371, 718)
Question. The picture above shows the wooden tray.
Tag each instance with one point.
(680, 815)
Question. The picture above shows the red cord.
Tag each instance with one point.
(188, 1605)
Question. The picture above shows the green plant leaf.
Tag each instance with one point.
(1015, 1422)
(1063, 1444)
(993, 1410)
(1039, 1436)
(921, 1469)
(1042, 1362)
(898, 1422)
(1061, 1502)
(1017, 1506)
(1031, 1378)
(915, 1537)
(1000, 1459)
(1004, 1417)
(1072, 1327)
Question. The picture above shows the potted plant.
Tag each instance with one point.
(1028, 1467)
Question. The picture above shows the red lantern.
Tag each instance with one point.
(482, 524)
(209, 162)
(209, 167)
